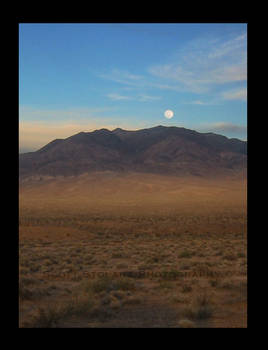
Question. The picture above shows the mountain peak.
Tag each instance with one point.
(161, 149)
(117, 129)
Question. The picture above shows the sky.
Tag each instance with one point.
(77, 77)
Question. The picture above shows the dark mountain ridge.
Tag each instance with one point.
(163, 150)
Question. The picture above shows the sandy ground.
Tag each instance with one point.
(133, 250)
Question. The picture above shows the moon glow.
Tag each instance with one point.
(169, 113)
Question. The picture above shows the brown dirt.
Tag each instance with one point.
(74, 231)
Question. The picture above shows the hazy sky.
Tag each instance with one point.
(82, 77)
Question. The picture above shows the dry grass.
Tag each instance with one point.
(186, 324)
(95, 253)
(200, 308)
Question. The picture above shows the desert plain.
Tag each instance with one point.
(115, 250)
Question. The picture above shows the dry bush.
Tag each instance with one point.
(51, 316)
(186, 254)
(200, 308)
(108, 284)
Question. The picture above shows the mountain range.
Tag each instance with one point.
(158, 150)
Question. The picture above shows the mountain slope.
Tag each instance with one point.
(170, 150)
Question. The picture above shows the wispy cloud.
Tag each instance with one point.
(237, 94)
(137, 82)
(118, 97)
(198, 103)
(202, 65)
(122, 77)
(139, 97)
(145, 98)
(204, 103)
(228, 47)
(224, 127)
(198, 67)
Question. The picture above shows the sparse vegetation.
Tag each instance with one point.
(185, 254)
(186, 288)
(186, 324)
(200, 308)
(155, 253)
(108, 284)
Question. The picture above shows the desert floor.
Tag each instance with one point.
(133, 250)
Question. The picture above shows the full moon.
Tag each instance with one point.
(169, 113)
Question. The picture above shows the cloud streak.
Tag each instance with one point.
(118, 97)
(203, 103)
(224, 128)
(201, 65)
(123, 77)
(140, 97)
(238, 94)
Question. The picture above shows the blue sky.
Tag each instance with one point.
(82, 77)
